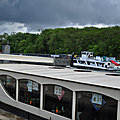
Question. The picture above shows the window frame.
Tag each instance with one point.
(4, 88)
(39, 91)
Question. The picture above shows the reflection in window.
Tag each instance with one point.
(58, 100)
(94, 106)
(9, 84)
(29, 92)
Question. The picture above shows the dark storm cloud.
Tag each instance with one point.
(35, 13)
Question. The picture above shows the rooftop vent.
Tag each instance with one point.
(56, 67)
(113, 74)
(82, 70)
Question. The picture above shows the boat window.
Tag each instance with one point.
(88, 63)
(74, 61)
(9, 83)
(58, 100)
(29, 92)
(95, 106)
(83, 62)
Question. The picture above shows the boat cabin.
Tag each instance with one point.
(86, 54)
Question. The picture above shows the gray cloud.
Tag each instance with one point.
(10, 27)
(48, 13)
(8, 2)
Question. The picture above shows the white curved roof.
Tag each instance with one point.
(96, 78)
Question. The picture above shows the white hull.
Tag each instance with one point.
(89, 66)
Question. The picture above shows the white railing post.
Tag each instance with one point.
(41, 97)
(118, 110)
(73, 105)
(17, 90)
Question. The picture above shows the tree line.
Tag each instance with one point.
(101, 41)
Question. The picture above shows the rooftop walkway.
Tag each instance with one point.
(23, 58)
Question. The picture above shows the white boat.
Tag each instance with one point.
(88, 61)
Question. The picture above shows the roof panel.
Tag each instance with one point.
(93, 78)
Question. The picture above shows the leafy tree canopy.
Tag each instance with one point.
(102, 41)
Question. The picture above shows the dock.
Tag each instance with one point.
(23, 58)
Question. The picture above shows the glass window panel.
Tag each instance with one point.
(9, 83)
(95, 106)
(58, 100)
(29, 92)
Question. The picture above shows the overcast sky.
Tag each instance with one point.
(31, 15)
